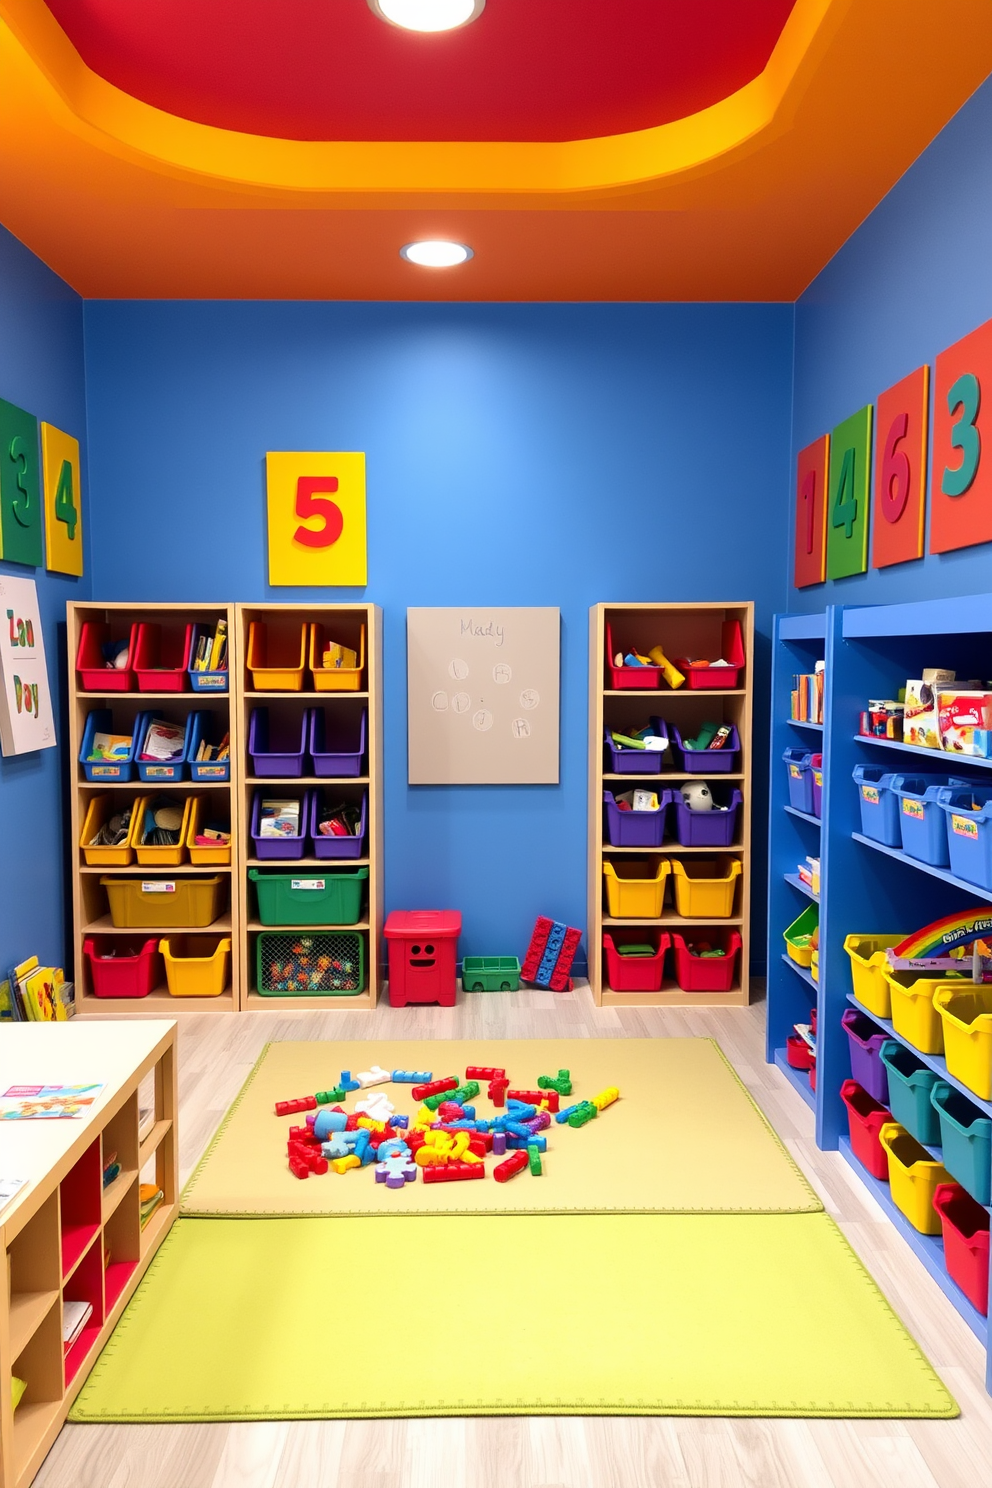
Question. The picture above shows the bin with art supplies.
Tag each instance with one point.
(312, 964)
(922, 822)
(208, 658)
(723, 672)
(638, 752)
(165, 903)
(879, 805)
(706, 816)
(713, 750)
(968, 818)
(630, 669)
(635, 887)
(161, 749)
(965, 1140)
(280, 823)
(277, 654)
(105, 840)
(706, 963)
(965, 1010)
(964, 1226)
(337, 828)
(635, 959)
(277, 741)
(869, 964)
(105, 661)
(208, 832)
(802, 936)
(705, 888)
(160, 830)
(108, 752)
(327, 897)
(122, 968)
(865, 1042)
(337, 740)
(910, 1084)
(208, 752)
(196, 965)
(335, 666)
(162, 656)
(914, 1015)
(914, 1177)
(637, 817)
(865, 1118)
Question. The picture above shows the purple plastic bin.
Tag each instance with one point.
(707, 828)
(280, 847)
(335, 847)
(637, 761)
(707, 761)
(636, 828)
(866, 1041)
(332, 743)
(277, 746)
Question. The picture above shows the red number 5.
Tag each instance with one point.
(310, 504)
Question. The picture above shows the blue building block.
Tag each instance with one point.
(327, 1122)
(562, 1116)
(347, 1083)
(549, 960)
(399, 1122)
(412, 1077)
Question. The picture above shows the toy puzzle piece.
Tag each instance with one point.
(338, 1146)
(374, 1076)
(378, 1106)
(396, 1171)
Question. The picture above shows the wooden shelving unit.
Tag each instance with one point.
(682, 630)
(89, 898)
(67, 1238)
(343, 624)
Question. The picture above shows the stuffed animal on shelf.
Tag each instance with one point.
(697, 795)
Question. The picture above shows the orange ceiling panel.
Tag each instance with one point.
(743, 200)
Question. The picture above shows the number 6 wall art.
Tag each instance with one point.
(900, 471)
(316, 508)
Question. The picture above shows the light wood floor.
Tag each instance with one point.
(216, 1054)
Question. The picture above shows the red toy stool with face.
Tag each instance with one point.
(423, 954)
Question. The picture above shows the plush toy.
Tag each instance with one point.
(697, 795)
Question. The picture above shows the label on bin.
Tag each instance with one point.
(962, 827)
(795, 772)
(307, 883)
(870, 794)
(219, 771)
(159, 772)
(818, 779)
(913, 809)
(207, 679)
(106, 772)
(159, 886)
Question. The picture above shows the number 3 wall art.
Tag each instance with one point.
(316, 504)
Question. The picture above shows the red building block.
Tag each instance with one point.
(436, 1087)
(455, 1172)
(449, 1111)
(535, 1097)
(298, 1169)
(414, 1139)
(497, 1092)
(515, 1163)
(538, 941)
(483, 1072)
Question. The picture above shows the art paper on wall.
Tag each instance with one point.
(482, 696)
(26, 720)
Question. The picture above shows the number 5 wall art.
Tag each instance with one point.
(316, 507)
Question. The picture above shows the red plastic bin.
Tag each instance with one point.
(635, 973)
(161, 657)
(798, 1054)
(644, 678)
(709, 974)
(91, 667)
(129, 972)
(699, 678)
(865, 1118)
(965, 1227)
(423, 955)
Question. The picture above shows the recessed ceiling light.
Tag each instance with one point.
(427, 15)
(435, 253)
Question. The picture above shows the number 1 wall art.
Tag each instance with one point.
(811, 512)
(316, 507)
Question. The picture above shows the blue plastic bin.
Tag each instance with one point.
(210, 772)
(101, 721)
(921, 820)
(158, 771)
(910, 1087)
(879, 807)
(968, 814)
(799, 764)
(205, 681)
(965, 1139)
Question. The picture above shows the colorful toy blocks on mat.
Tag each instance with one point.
(549, 957)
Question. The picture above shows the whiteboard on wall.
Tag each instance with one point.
(482, 696)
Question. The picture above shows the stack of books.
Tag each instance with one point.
(150, 1196)
(807, 696)
(36, 994)
(279, 819)
(211, 651)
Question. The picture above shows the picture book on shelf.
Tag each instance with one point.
(163, 741)
(47, 1102)
(279, 819)
(36, 994)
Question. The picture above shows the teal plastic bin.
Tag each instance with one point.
(910, 1086)
(325, 898)
(966, 1140)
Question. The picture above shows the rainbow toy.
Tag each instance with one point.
(936, 942)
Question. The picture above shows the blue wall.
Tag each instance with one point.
(516, 455)
(41, 369)
(913, 279)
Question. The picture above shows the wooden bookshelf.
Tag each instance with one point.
(682, 630)
(64, 1236)
(286, 709)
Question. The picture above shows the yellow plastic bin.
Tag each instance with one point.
(913, 1012)
(335, 679)
(159, 857)
(164, 903)
(204, 856)
(277, 655)
(705, 888)
(196, 965)
(814, 966)
(635, 887)
(966, 1013)
(97, 813)
(869, 964)
(799, 937)
(914, 1177)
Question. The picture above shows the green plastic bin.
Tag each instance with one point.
(490, 974)
(966, 1140)
(910, 1085)
(318, 963)
(325, 898)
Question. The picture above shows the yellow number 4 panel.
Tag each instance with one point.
(316, 517)
(850, 485)
(63, 501)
